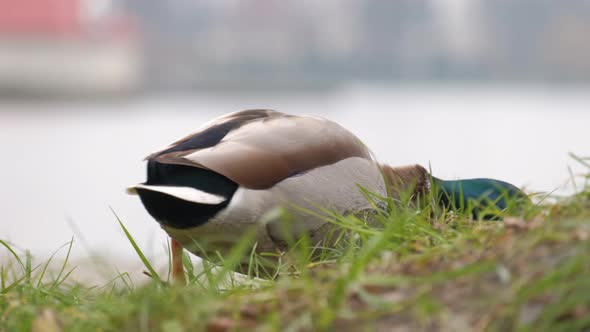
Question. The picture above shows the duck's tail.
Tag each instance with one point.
(184, 193)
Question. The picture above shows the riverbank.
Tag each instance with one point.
(418, 270)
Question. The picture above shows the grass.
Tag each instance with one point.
(408, 269)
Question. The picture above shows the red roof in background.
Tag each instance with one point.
(39, 17)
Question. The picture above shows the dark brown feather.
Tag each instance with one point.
(265, 147)
(413, 178)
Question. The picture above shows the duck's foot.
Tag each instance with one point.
(177, 266)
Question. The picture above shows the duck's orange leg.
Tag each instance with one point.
(177, 267)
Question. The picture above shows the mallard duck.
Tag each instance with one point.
(227, 177)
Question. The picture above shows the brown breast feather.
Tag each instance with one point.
(268, 146)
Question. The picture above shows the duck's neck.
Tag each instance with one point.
(413, 180)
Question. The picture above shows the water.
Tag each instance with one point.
(72, 161)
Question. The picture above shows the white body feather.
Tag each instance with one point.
(333, 187)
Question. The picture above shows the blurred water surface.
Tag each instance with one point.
(72, 160)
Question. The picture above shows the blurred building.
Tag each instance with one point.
(110, 45)
(537, 39)
(269, 43)
(66, 47)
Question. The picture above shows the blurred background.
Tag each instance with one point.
(473, 88)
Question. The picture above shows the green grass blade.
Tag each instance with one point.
(144, 259)
(14, 254)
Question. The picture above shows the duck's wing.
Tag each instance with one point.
(259, 148)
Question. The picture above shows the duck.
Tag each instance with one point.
(231, 175)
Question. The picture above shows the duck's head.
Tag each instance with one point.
(484, 197)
